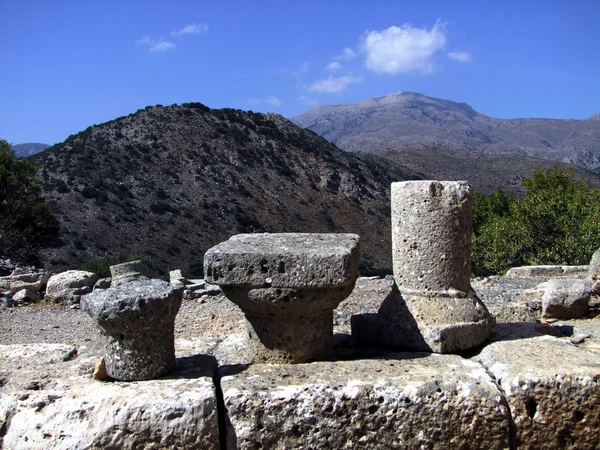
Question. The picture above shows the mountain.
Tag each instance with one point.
(167, 183)
(407, 120)
(24, 150)
(485, 172)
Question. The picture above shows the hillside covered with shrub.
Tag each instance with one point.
(166, 183)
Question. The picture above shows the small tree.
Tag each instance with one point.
(557, 222)
(26, 221)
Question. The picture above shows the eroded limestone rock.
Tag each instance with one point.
(552, 388)
(287, 284)
(565, 298)
(402, 401)
(434, 307)
(68, 287)
(138, 318)
(547, 271)
(127, 271)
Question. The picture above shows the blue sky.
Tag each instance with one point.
(67, 65)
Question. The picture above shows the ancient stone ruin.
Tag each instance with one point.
(434, 307)
(288, 285)
(531, 382)
(137, 318)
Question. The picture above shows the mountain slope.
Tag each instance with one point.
(166, 183)
(24, 150)
(406, 119)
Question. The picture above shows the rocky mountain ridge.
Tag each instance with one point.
(166, 183)
(407, 119)
(29, 149)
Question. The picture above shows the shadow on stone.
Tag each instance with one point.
(393, 325)
(195, 366)
(525, 330)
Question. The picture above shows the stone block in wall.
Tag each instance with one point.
(52, 402)
(552, 388)
(407, 400)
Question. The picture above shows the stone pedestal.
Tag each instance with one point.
(434, 307)
(138, 319)
(287, 284)
(127, 271)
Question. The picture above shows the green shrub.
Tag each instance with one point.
(556, 222)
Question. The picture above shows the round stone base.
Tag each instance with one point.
(293, 340)
(146, 355)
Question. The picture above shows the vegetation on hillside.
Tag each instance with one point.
(26, 221)
(556, 222)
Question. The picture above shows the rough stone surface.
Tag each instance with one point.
(34, 282)
(127, 271)
(434, 307)
(52, 402)
(284, 260)
(103, 283)
(565, 298)
(594, 271)
(548, 271)
(513, 313)
(287, 285)
(25, 295)
(552, 388)
(402, 401)
(68, 287)
(138, 319)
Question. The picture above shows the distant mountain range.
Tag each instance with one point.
(407, 120)
(167, 183)
(24, 150)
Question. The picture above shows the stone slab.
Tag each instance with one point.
(402, 401)
(548, 271)
(50, 401)
(552, 388)
(287, 260)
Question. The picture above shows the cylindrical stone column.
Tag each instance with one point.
(431, 236)
(431, 239)
(138, 320)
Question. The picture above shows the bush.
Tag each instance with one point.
(556, 222)
(26, 222)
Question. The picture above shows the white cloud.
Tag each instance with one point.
(307, 100)
(460, 56)
(347, 54)
(334, 85)
(191, 29)
(273, 101)
(333, 66)
(160, 45)
(404, 48)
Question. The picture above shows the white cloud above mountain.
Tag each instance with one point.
(272, 100)
(334, 85)
(404, 49)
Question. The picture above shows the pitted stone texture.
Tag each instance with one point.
(431, 236)
(548, 271)
(434, 307)
(78, 413)
(284, 260)
(403, 401)
(127, 271)
(138, 319)
(565, 298)
(594, 270)
(552, 388)
(68, 287)
(287, 285)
